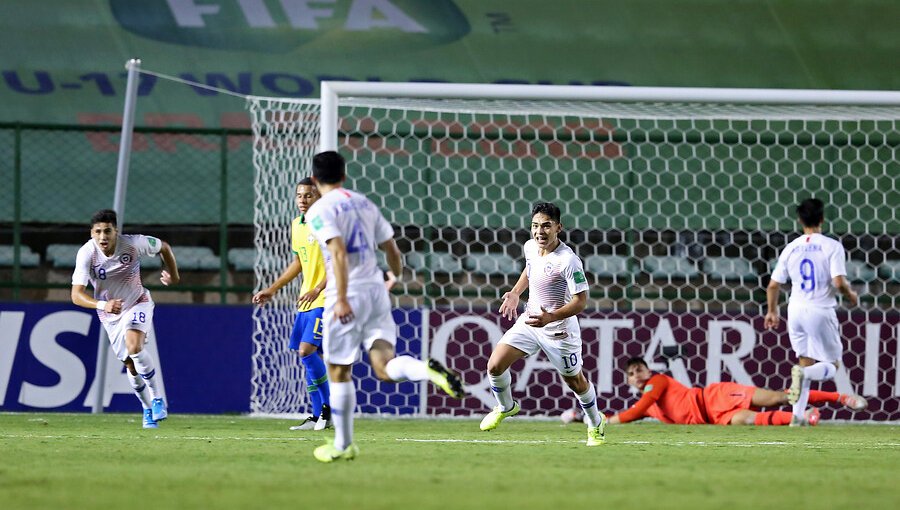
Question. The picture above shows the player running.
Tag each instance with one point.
(349, 227)
(816, 266)
(724, 403)
(112, 264)
(557, 292)
(306, 336)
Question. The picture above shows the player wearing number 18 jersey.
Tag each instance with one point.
(816, 268)
(349, 228)
(111, 264)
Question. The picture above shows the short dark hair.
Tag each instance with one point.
(105, 216)
(546, 208)
(635, 361)
(811, 212)
(306, 181)
(329, 167)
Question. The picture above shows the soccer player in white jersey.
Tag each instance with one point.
(557, 292)
(816, 266)
(349, 227)
(112, 264)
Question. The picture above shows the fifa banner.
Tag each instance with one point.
(48, 355)
(696, 349)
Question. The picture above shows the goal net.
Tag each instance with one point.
(678, 209)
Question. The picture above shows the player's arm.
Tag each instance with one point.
(773, 314)
(575, 306)
(657, 386)
(81, 298)
(292, 271)
(509, 308)
(393, 256)
(843, 286)
(338, 251)
(169, 275)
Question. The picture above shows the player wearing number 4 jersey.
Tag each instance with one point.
(815, 265)
(349, 227)
(557, 292)
(111, 264)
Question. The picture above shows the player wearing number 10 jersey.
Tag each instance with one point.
(349, 227)
(815, 265)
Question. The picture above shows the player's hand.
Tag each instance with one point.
(772, 320)
(262, 297)
(390, 280)
(852, 298)
(168, 279)
(509, 308)
(308, 297)
(342, 311)
(113, 306)
(539, 320)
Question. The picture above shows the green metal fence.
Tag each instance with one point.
(191, 187)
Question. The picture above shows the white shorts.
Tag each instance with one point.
(814, 332)
(372, 320)
(139, 317)
(562, 346)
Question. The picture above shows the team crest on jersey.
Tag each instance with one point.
(125, 258)
(548, 269)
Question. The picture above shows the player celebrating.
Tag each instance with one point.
(557, 292)
(724, 403)
(348, 227)
(306, 337)
(111, 263)
(816, 266)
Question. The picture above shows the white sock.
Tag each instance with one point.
(143, 363)
(343, 403)
(800, 407)
(589, 404)
(140, 389)
(821, 371)
(406, 368)
(500, 387)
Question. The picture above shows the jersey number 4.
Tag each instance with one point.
(357, 242)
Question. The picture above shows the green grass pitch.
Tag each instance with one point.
(73, 461)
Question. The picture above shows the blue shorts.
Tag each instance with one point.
(307, 328)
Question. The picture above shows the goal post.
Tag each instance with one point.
(677, 201)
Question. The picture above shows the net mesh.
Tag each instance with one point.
(677, 210)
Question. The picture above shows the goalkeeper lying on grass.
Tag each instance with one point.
(724, 403)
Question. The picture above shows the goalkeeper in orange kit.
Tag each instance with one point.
(724, 403)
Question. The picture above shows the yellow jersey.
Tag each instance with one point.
(312, 263)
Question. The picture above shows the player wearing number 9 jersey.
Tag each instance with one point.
(349, 228)
(816, 267)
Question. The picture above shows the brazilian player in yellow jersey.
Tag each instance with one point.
(306, 337)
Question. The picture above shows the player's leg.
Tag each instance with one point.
(341, 342)
(140, 320)
(565, 355)
(343, 404)
(517, 343)
(314, 368)
(819, 362)
(768, 398)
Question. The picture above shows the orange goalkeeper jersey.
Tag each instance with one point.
(668, 401)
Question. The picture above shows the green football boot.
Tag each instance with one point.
(597, 435)
(328, 453)
(445, 379)
(494, 417)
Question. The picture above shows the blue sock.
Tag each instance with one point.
(316, 381)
